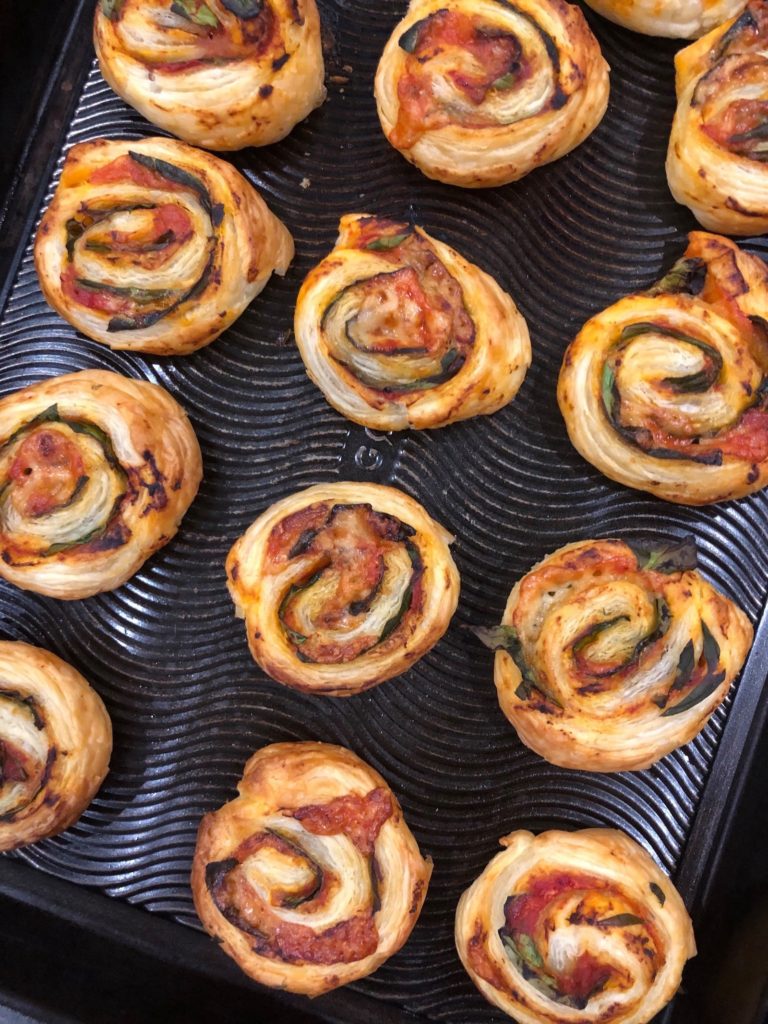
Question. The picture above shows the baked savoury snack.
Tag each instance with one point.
(342, 586)
(222, 74)
(55, 744)
(398, 330)
(612, 653)
(667, 391)
(676, 19)
(717, 163)
(155, 246)
(574, 926)
(96, 472)
(479, 92)
(310, 878)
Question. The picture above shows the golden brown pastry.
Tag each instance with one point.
(96, 472)
(343, 586)
(574, 926)
(611, 653)
(310, 878)
(55, 743)
(222, 74)
(155, 246)
(716, 163)
(675, 19)
(667, 390)
(398, 330)
(478, 93)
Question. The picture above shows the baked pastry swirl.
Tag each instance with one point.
(717, 162)
(612, 653)
(398, 330)
(55, 744)
(310, 878)
(155, 246)
(574, 926)
(342, 586)
(667, 390)
(479, 92)
(96, 472)
(675, 19)
(222, 74)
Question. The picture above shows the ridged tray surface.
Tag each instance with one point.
(165, 651)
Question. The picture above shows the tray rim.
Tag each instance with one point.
(89, 907)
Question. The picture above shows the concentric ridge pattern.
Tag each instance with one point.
(165, 651)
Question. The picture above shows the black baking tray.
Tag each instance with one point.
(92, 923)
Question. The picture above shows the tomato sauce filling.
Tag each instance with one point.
(91, 298)
(747, 439)
(350, 543)
(15, 765)
(171, 225)
(360, 818)
(492, 59)
(524, 915)
(46, 471)
(414, 310)
(742, 128)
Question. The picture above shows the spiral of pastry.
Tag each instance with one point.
(667, 391)
(96, 472)
(398, 330)
(155, 246)
(343, 586)
(480, 92)
(611, 653)
(574, 926)
(675, 19)
(55, 743)
(310, 878)
(717, 162)
(222, 74)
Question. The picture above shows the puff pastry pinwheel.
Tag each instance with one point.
(398, 330)
(717, 162)
(479, 92)
(222, 74)
(667, 391)
(611, 653)
(55, 743)
(675, 19)
(574, 926)
(310, 878)
(342, 586)
(96, 472)
(155, 246)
